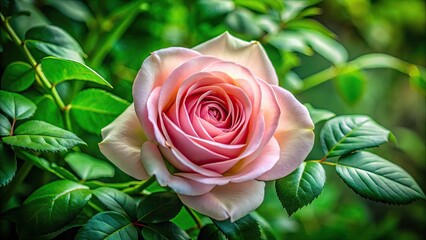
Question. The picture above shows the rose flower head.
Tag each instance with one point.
(212, 124)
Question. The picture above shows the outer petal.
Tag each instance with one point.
(154, 71)
(294, 134)
(248, 54)
(122, 142)
(233, 200)
(154, 164)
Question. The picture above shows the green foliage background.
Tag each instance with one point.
(116, 36)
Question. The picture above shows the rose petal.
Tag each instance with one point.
(122, 142)
(154, 164)
(234, 200)
(248, 54)
(295, 145)
(154, 71)
(293, 114)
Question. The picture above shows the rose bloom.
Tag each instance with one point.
(212, 124)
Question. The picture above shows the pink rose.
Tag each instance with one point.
(212, 124)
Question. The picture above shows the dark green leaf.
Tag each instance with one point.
(158, 207)
(319, 115)
(301, 187)
(48, 111)
(16, 106)
(58, 70)
(108, 225)
(73, 9)
(243, 21)
(266, 230)
(54, 41)
(52, 207)
(8, 165)
(93, 109)
(48, 166)
(243, 228)
(351, 86)
(41, 136)
(211, 232)
(214, 8)
(18, 76)
(116, 201)
(378, 179)
(4, 126)
(346, 134)
(88, 167)
(164, 231)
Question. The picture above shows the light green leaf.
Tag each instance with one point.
(16, 106)
(88, 167)
(243, 228)
(17, 77)
(108, 225)
(319, 115)
(8, 165)
(345, 134)
(5, 126)
(290, 41)
(327, 47)
(292, 81)
(41, 136)
(54, 41)
(116, 201)
(214, 8)
(58, 70)
(52, 207)
(93, 109)
(211, 232)
(378, 179)
(164, 231)
(301, 187)
(48, 166)
(158, 207)
(351, 86)
(243, 21)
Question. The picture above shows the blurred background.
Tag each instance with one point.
(313, 41)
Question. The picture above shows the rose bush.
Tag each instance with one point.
(212, 124)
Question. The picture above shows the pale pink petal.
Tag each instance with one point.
(234, 200)
(294, 115)
(122, 142)
(154, 71)
(154, 164)
(295, 145)
(248, 54)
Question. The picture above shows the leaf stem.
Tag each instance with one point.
(323, 162)
(194, 216)
(17, 181)
(139, 188)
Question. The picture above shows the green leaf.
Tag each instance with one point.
(116, 201)
(16, 106)
(48, 110)
(88, 167)
(48, 166)
(158, 207)
(8, 165)
(52, 207)
(108, 225)
(351, 86)
(211, 232)
(301, 187)
(319, 115)
(164, 231)
(326, 46)
(243, 21)
(17, 77)
(54, 41)
(243, 228)
(41, 136)
(5, 126)
(93, 109)
(290, 41)
(214, 8)
(59, 70)
(378, 179)
(345, 134)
